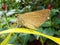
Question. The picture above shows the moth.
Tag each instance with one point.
(34, 19)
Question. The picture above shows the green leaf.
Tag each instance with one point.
(46, 24)
(53, 12)
(58, 32)
(56, 20)
(24, 38)
(48, 31)
(12, 39)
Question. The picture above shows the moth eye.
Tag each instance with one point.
(16, 15)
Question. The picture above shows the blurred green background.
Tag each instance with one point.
(8, 9)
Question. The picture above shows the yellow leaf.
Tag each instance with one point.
(10, 44)
(29, 31)
(4, 42)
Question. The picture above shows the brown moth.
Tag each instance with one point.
(34, 19)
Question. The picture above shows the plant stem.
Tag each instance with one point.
(0, 24)
(41, 40)
(6, 19)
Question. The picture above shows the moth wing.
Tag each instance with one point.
(34, 19)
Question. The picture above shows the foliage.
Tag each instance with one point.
(8, 20)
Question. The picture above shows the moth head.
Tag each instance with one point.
(19, 20)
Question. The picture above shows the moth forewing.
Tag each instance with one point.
(34, 19)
